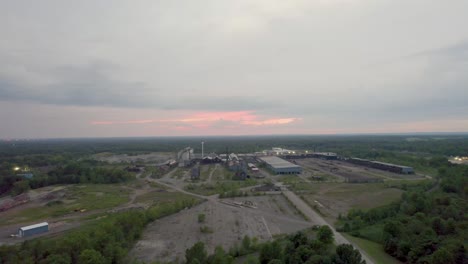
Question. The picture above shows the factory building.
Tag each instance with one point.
(281, 166)
(33, 229)
(382, 166)
(185, 157)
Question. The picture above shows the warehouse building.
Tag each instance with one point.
(33, 229)
(281, 166)
(382, 166)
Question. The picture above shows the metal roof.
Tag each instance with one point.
(278, 163)
(24, 228)
(392, 165)
(383, 163)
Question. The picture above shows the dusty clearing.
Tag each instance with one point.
(167, 239)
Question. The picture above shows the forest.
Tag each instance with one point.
(428, 225)
(301, 247)
(71, 172)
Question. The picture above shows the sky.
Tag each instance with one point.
(112, 68)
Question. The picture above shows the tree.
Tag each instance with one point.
(58, 259)
(196, 254)
(20, 187)
(325, 234)
(270, 251)
(317, 259)
(246, 244)
(220, 257)
(251, 260)
(275, 261)
(346, 254)
(442, 256)
(299, 239)
(91, 256)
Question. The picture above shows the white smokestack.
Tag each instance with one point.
(202, 149)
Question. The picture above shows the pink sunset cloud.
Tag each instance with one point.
(145, 121)
(208, 119)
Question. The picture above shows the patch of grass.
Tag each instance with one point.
(222, 174)
(54, 203)
(179, 173)
(206, 229)
(201, 218)
(372, 232)
(374, 250)
(219, 187)
(88, 197)
(290, 179)
(160, 196)
(205, 171)
(364, 195)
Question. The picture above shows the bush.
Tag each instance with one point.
(206, 229)
(201, 218)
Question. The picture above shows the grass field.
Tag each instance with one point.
(222, 174)
(219, 187)
(290, 180)
(77, 197)
(161, 196)
(374, 250)
(333, 199)
(179, 173)
(205, 171)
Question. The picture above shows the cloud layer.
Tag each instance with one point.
(335, 66)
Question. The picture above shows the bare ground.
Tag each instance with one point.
(167, 239)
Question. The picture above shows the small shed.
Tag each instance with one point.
(33, 229)
(195, 173)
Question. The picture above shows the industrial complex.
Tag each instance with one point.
(276, 160)
(281, 166)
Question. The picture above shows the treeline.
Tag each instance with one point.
(359, 145)
(428, 225)
(70, 173)
(102, 242)
(293, 249)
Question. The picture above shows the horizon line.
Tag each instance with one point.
(245, 135)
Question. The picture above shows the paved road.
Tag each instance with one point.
(318, 220)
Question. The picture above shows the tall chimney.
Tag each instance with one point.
(202, 149)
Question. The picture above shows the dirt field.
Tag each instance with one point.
(167, 239)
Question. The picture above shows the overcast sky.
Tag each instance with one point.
(167, 68)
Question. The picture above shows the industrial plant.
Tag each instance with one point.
(281, 166)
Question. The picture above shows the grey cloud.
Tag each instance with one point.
(92, 85)
(304, 59)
